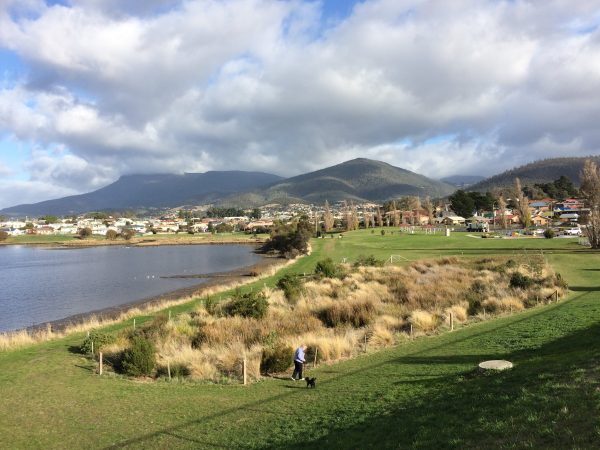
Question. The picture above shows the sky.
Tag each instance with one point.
(94, 89)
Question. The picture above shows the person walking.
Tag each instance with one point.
(299, 362)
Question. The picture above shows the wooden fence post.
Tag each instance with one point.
(100, 370)
(169, 369)
(365, 342)
(169, 315)
(411, 330)
(92, 348)
(134, 323)
(451, 322)
(244, 370)
(315, 361)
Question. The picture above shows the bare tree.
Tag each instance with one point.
(379, 217)
(502, 211)
(395, 215)
(352, 217)
(428, 207)
(415, 207)
(590, 189)
(522, 205)
(328, 220)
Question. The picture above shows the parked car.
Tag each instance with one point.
(573, 231)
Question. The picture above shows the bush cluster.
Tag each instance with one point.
(178, 370)
(99, 338)
(328, 269)
(549, 233)
(520, 281)
(292, 286)
(3, 235)
(276, 359)
(250, 304)
(289, 240)
(368, 261)
(140, 358)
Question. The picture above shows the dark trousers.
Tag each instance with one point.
(297, 370)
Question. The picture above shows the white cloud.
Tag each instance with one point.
(170, 85)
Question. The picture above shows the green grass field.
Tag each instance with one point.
(420, 394)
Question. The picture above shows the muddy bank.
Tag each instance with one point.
(212, 281)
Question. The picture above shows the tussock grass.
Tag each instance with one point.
(336, 317)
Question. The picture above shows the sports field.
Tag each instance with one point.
(420, 394)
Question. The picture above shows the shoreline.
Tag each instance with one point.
(149, 241)
(222, 280)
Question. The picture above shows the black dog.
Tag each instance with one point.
(311, 382)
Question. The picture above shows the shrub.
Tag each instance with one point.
(276, 359)
(250, 304)
(3, 235)
(549, 233)
(292, 286)
(511, 264)
(370, 261)
(127, 234)
(289, 240)
(210, 303)
(520, 281)
(355, 313)
(383, 232)
(561, 282)
(85, 233)
(99, 338)
(178, 370)
(327, 268)
(155, 330)
(111, 235)
(140, 358)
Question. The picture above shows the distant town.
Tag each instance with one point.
(565, 214)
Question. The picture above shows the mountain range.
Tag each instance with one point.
(151, 191)
(360, 180)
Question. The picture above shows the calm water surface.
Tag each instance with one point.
(40, 284)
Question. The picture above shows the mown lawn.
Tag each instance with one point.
(420, 394)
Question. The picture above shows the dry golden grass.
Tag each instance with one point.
(423, 320)
(382, 336)
(459, 312)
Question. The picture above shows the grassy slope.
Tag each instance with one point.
(420, 394)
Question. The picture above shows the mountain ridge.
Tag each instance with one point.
(360, 179)
(540, 171)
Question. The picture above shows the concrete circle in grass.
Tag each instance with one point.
(496, 364)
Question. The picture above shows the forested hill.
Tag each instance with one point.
(538, 172)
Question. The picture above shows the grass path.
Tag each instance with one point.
(421, 394)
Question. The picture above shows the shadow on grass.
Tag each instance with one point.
(584, 288)
(541, 403)
(456, 410)
(75, 349)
